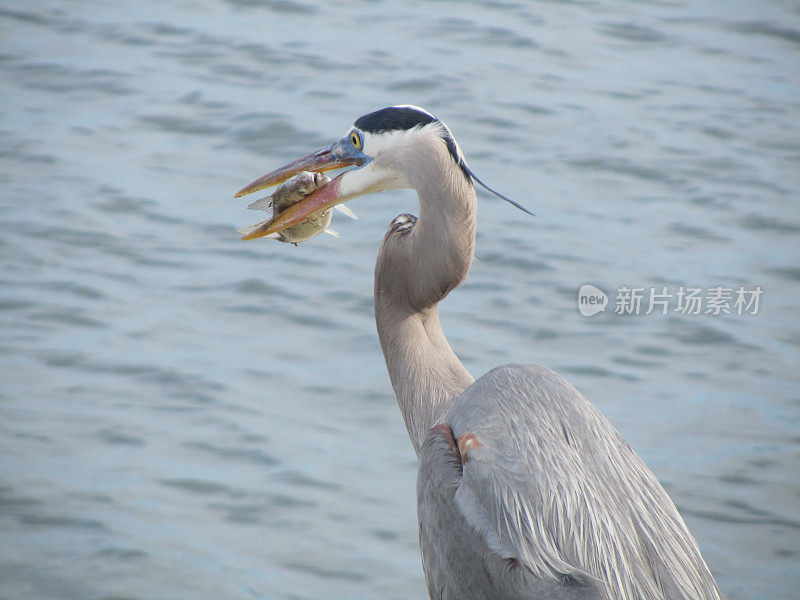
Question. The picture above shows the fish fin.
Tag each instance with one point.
(332, 232)
(248, 229)
(261, 204)
(347, 211)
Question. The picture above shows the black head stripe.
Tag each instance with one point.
(453, 150)
(403, 118)
(393, 118)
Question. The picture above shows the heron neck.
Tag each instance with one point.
(426, 374)
(413, 273)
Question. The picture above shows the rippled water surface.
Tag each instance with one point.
(188, 416)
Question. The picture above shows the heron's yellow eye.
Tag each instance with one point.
(355, 139)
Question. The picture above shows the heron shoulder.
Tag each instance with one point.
(533, 400)
(548, 480)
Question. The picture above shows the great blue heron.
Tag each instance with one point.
(524, 489)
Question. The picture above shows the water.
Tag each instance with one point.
(188, 416)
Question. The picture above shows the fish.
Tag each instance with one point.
(288, 194)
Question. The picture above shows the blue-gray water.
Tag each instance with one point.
(187, 416)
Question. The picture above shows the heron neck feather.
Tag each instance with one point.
(415, 270)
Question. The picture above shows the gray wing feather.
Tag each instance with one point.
(554, 486)
(458, 562)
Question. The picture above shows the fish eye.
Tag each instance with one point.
(355, 139)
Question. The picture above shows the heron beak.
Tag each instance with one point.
(334, 156)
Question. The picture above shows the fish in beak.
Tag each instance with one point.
(291, 192)
(335, 156)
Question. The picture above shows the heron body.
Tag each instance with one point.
(524, 489)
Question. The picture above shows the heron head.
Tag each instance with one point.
(380, 145)
(388, 148)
